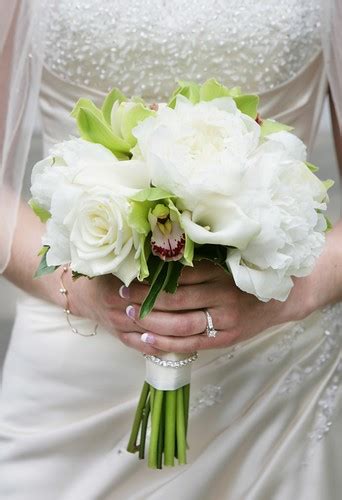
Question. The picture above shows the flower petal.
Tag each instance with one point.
(219, 221)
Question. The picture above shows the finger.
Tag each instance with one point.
(118, 320)
(187, 297)
(133, 340)
(165, 323)
(187, 344)
(202, 272)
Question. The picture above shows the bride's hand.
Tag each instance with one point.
(98, 299)
(178, 320)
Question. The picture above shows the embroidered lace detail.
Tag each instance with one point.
(330, 349)
(228, 355)
(331, 324)
(285, 345)
(324, 415)
(326, 406)
(300, 373)
(209, 395)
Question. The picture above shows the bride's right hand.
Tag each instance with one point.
(98, 299)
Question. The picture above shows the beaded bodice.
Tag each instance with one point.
(143, 47)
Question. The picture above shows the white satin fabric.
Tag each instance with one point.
(265, 416)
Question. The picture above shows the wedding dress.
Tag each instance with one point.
(266, 413)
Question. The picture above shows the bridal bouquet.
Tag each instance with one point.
(147, 190)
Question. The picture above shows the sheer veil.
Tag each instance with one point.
(22, 34)
(22, 27)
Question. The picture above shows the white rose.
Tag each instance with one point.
(101, 240)
(59, 180)
(286, 197)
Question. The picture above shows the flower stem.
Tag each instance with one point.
(186, 390)
(170, 428)
(144, 423)
(156, 414)
(161, 436)
(180, 427)
(132, 443)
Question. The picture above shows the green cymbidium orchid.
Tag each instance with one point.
(157, 222)
(111, 125)
(212, 89)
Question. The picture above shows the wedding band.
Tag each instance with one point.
(210, 330)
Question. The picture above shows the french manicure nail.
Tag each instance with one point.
(147, 338)
(130, 312)
(124, 292)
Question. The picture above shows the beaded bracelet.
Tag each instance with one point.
(67, 312)
(171, 363)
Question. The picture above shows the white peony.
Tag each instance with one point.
(198, 152)
(283, 196)
(196, 149)
(80, 162)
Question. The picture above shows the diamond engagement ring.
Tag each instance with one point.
(210, 329)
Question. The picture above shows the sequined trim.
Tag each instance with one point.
(144, 47)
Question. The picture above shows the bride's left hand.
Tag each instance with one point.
(178, 320)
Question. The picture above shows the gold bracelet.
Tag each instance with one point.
(67, 312)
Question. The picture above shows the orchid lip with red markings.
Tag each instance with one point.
(168, 247)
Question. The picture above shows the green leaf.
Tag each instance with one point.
(234, 91)
(151, 194)
(311, 167)
(75, 276)
(189, 249)
(94, 130)
(43, 268)
(174, 272)
(113, 96)
(89, 105)
(156, 287)
(247, 104)
(328, 183)
(272, 126)
(190, 90)
(212, 89)
(131, 118)
(154, 263)
(138, 216)
(145, 254)
(213, 253)
(329, 224)
(40, 212)
(138, 99)
(43, 250)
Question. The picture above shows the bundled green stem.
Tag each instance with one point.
(168, 412)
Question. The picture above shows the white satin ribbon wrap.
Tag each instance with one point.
(167, 378)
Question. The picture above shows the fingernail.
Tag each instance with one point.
(130, 312)
(124, 292)
(147, 338)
